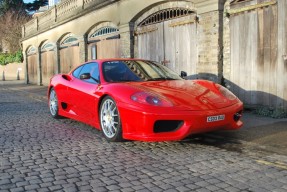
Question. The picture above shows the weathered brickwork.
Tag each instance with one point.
(83, 49)
(226, 42)
(125, 45)
(208, 45)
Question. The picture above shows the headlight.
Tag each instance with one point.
(226, 93)
(151, 99)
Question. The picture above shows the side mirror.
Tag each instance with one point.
(183, 74)
(85, 76)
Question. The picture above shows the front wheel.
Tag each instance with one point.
(54, 104)
(110, 120)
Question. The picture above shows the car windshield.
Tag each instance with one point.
(137, 70)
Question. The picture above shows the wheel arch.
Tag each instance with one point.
(98, 107)
(100, 102)
(49, 90)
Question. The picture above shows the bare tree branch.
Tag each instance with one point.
(11, 28)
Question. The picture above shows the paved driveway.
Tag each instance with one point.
(39, 153)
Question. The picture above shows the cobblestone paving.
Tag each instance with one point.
(39, 153)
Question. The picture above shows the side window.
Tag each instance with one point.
(96, 73)
(93, 69)
(77, 71)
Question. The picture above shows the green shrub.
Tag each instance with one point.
(6, 58)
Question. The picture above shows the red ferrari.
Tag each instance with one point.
(142, 100)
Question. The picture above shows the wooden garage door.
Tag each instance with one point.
(105, 49)
(69, 58)
(32, 69)
(171, 41)
(104, 43)
(48, 66)
(258, 73)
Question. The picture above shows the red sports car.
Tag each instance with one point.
(142, 100)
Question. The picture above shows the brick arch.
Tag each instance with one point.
(147, 11)
(29, 48)
(99, 25)
(63, 36)
(165, 15)
(42, 43)
(69, 36)
(47, 46)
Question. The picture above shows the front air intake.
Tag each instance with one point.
(237, 116)
(162, 126)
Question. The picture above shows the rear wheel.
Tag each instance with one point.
(110, 120)
(54, 104)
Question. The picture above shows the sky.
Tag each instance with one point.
(28, 1)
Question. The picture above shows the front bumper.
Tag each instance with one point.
(139, 125)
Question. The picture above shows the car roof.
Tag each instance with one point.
(116, 59)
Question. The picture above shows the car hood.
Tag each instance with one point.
(187, 94)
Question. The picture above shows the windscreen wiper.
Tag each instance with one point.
(161, 79)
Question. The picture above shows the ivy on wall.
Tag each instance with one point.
(6, 58)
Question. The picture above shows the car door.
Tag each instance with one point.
(83, 92)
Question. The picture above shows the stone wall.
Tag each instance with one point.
(209, 29)
(11, 71)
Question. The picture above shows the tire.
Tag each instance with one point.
(110, 120)
(54, 104)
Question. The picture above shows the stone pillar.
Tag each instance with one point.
(208, 46)
(132, 39)
(126, 50)
(54, 13)
(37, 23)
(23, 31)
(57, 58)
(210, 40)
(39, 64)
(25, 61)
(83, 49)
(80, 4)
(226, 43)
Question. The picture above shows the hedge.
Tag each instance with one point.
(6, 58)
